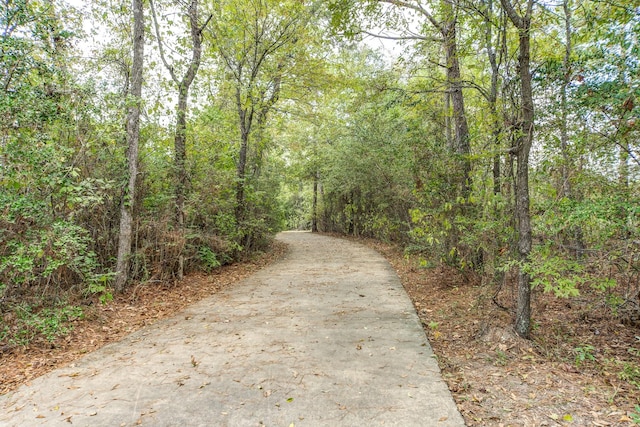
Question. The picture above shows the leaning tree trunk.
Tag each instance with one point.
(133, 137)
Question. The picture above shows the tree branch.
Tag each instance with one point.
(201, 29)
(414, 37)
(511, 12)
(160, 45)
(418, 9)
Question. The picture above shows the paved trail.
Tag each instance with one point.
(325, 337)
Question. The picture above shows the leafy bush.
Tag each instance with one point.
(32, 323)
(55, 255)
(208, 259)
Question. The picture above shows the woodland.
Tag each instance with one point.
(147, 140)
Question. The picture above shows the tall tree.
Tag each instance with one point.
(567, 76)
(256, 42)
(495, 53)
(522, 149)
(133, 138)
(183, 85)
(446, 24)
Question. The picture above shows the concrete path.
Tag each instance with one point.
(325, 337)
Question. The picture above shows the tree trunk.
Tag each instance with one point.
(180, 155)
(246, 119)
(180, 138)
(447, 27)
(575, 230)
(493, 93)
(241, 177)
(524, 142)
(133, 137)
(523, 313)
(448, 132)
(454, 83)
(314, 214)
(180, 158)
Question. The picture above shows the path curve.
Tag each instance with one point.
(325, 337)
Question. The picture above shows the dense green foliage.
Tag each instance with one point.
(294, 124)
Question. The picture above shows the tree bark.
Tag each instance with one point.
(454, 83)
(133, 137)
(245, 117)
(448, 132)
(493, 92)
(524, 143)
(566, 80)
(180, 155)
(314, 214)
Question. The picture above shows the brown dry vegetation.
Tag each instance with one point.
(496, 378)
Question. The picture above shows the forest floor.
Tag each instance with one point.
(581, 368)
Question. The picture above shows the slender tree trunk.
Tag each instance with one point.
(574, 230)
(447, 122)
(241, 177)
(180, 155)
(493, 94)
(133, 137)
(5, 159)
(623, 166)
(564, 134)
(564, 142)
(314, 215)
(495, 61)
(180, 159)
(246, 118)
(462, 148)
(251, 119)
(454, 83)
(525, 140)
(180, 137)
